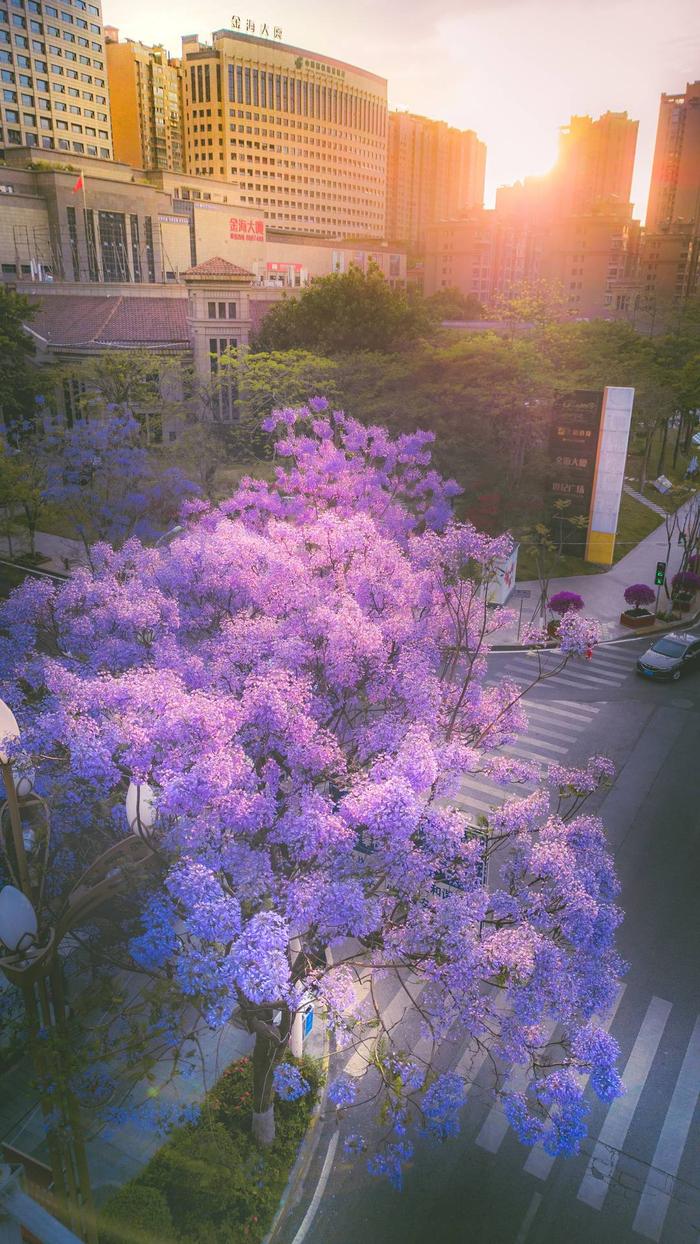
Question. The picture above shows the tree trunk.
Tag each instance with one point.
(645, 459)
(265, 1057)
(662, 453)
(677, 445)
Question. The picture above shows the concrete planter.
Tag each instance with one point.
(637, 621)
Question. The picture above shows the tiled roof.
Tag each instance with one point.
(218, 267)
(88, 320)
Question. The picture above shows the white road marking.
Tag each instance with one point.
(658, 1189)
(320, 1189)
(496, 1125)
(529, 1218)
(540, 1163)
(603, 1161)
(401, 1001)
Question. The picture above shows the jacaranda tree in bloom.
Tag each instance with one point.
(107, 483)
(300, 680)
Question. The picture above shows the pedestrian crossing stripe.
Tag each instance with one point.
(603, 1161)
(656, 1196)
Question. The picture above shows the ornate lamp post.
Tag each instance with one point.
(31, 938)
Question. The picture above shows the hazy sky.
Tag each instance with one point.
(513, 70)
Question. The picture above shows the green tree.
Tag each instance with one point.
(452, 304)
(345, 312)
(18, 378)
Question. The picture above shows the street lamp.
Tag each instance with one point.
(33, 964)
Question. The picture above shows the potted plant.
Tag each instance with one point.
(561, 603)
(638, 595)
(684, 585)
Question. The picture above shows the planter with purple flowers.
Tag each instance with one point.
(684, 585)
(562, 603)
(638, 595)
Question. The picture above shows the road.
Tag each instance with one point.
(638, 1175)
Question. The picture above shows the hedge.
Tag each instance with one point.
(210, 1183)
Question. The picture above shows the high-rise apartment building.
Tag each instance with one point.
(303, 135)
(595, 163)
(674, 196)
(435, 172)
(53, 77)
(144, 87)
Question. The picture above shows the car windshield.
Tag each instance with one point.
(668, 648)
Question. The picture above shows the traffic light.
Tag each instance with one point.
(660, 574)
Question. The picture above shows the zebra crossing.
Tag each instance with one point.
(649, 1196)
(608, 668)
(648, 1179)
(554, 725)
(565, 721)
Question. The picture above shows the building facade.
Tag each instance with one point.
(595, 163)
(125, 226)
(674, 196)
(435, 172)
(144, 86)
(491, 255)
(303, 136)
(53, 78)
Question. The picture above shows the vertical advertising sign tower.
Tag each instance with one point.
(609, 475)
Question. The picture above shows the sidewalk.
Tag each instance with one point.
(603, 594)
(58, 550)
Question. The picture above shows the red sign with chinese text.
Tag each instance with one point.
(243, 230)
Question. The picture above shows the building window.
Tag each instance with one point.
(93, 267)
(150, 253)
(135, 249)
(73, 239)
(115, 264)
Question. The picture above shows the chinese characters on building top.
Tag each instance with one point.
(250, 27)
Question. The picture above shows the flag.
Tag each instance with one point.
(79, 185)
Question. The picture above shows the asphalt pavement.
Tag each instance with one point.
(638, 1174)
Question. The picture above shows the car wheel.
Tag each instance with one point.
(676, 675)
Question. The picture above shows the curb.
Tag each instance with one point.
(620, 639)
(307, 1149)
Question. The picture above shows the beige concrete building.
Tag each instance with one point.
(674, 196)
(595, 163)
(304, 136)
(54, 78)
(129, 226)
(435, 172)
(145, 91)
(490, 255)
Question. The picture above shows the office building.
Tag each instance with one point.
(53, 78)
(303, 135)
(675, 176)
(147, 227)
(144, 87)
(435, 172)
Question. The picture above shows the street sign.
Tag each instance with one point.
(660, 574)
(444, 886)
(522, 593)
(307, 1020)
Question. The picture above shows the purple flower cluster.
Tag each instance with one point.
(289, 1083)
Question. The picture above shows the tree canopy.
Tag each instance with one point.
(346, 311)
(298, 682)
(18, 379)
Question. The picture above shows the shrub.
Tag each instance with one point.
(565, 602)
(685, 581)
(639, 594)
(137, 1213)
(210, 1183)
